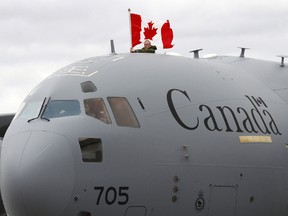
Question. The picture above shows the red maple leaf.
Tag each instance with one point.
(150, 31)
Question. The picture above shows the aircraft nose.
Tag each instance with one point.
(37, 173)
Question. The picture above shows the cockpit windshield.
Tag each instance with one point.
(61, 108)
(29, 110)
(54, 109)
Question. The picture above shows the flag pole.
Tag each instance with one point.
(129, 14)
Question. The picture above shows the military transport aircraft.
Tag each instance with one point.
(151, 135)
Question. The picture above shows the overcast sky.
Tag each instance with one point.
(37, 37)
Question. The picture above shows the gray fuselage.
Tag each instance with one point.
(145, 134)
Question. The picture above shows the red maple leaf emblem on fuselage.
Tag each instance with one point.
(150, 31)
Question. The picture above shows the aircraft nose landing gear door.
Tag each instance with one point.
(136, 210)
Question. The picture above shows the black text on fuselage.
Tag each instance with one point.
(256, 119)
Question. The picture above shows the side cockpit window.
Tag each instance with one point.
(96, 108)
(123, 113)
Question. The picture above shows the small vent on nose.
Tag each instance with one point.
(91, 149)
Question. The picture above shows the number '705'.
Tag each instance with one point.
(110, 195)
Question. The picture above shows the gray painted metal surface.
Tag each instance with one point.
(211, 139)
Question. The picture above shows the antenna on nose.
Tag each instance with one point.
(112, 48)
(242, 54)
(282, 59)
(196, 53)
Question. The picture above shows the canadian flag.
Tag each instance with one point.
(145, 29)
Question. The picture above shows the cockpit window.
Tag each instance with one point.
(61, 108)
(96, 108)
(29, 110)
(123, 112)
(88, 87)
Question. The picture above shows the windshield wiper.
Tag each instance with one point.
(39, 114)
(44, 109)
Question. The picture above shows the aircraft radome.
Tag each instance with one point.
(151, 135)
